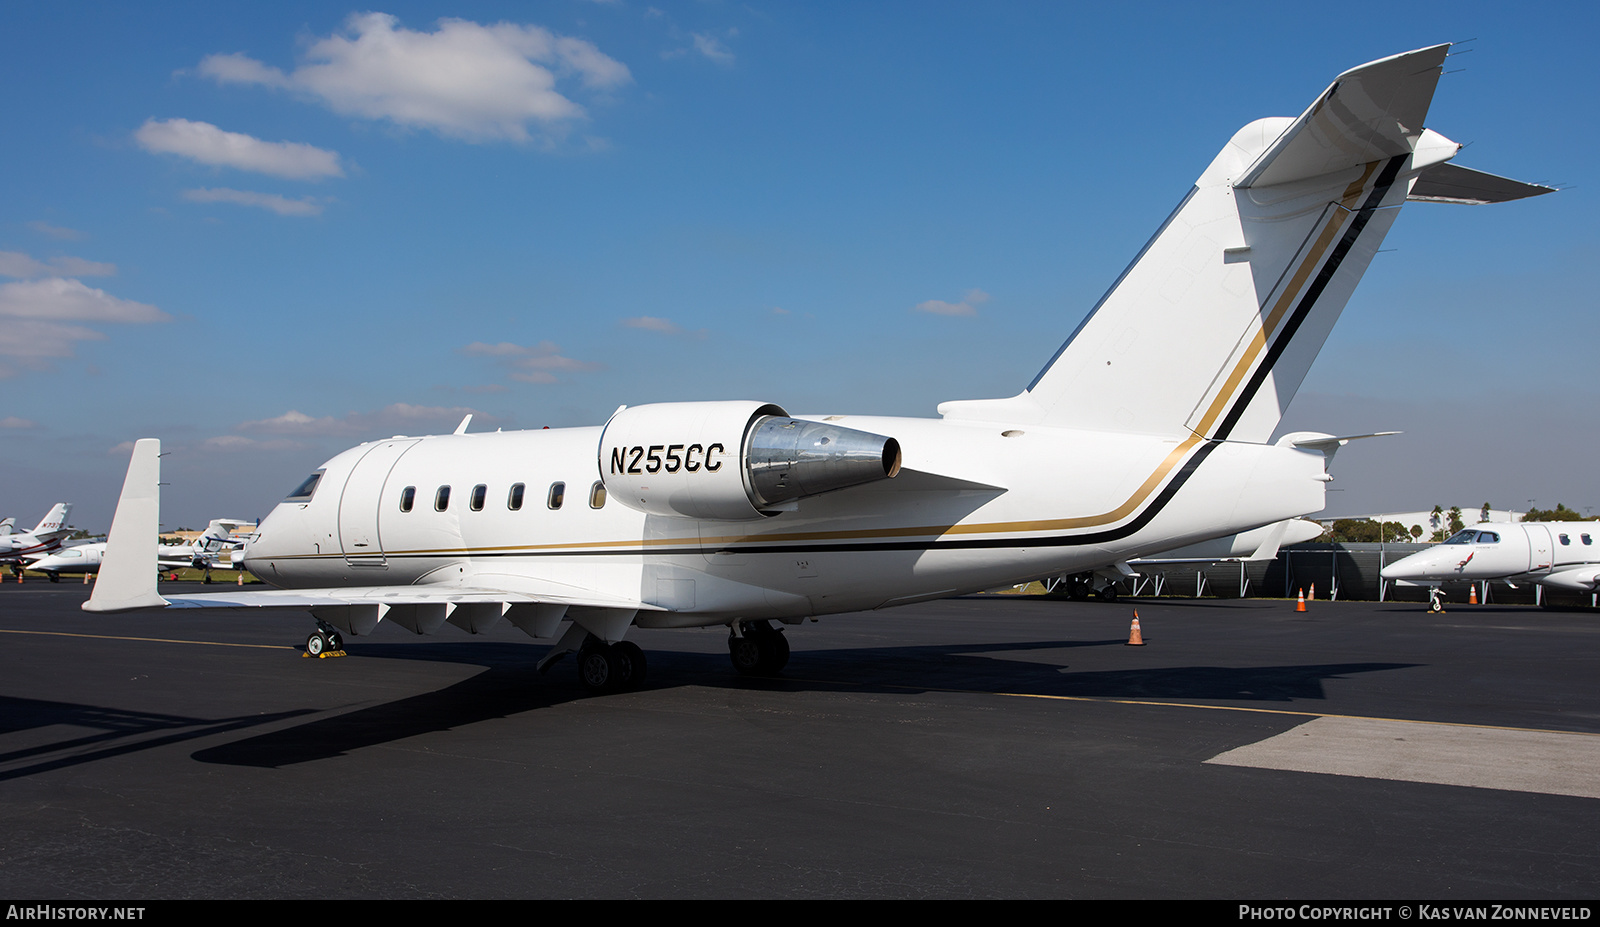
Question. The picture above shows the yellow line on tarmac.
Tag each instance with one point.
(148, 640)
(1154, 703)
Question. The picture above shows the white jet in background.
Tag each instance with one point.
(210, 551)
(17, 547)
(1147, 431)
(1560, 555)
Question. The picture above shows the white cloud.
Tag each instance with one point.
(530, 364)
(282, 205)
(651, 323)
(11, 421)
(712, 47)
(463, 80)
(34, 317)
(238, 443)
(17, 264)
(207, 144)
(57, 299)
(397, 418)
(56, 231)
(968, 305)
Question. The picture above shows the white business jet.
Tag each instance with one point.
(1556, 554)
(1147, 431)
(16, 548)
(210, 551)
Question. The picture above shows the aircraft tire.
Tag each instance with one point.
(602, 670)
(638, 666)
(54, 577)
(316, 644)
(780, 652)
(1108, 594)
(745, 652)
(761, 651)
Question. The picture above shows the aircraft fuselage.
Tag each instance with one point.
(975, 506)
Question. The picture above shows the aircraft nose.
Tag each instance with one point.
(1415, 567)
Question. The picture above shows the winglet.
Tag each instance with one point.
(128, 576)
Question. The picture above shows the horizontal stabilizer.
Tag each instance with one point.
(1316, 441)
(1371, 113)
(1452, 183)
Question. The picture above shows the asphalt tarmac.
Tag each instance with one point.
(983, 747)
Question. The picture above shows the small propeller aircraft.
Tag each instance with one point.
(1149, 430)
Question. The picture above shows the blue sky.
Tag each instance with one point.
(266, 232)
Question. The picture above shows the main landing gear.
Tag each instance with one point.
(604, 668)
(757, 649)
(324, 641)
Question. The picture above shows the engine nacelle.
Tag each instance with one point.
(732, 460)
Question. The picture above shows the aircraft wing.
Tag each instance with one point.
(433, 594)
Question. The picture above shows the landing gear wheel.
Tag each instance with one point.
(759, 651)
(54, 577)
(335, 640)
(316, 644)
(1109, 593)
(601, 669)
(638, 667)
(1436, 602)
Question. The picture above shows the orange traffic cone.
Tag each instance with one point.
(1312, 595)
(1135, 639)
(1301, 605)
(1473, 598)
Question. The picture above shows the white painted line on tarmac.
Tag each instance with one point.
(1547, 762)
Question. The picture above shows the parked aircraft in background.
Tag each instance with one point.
(9, 526)
(1560, 555)
(1149, 430)
(207, 552)
(17, 547)
(1246, 546)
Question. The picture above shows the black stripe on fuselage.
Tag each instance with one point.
(1313, 292)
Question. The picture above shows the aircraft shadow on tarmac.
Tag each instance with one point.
(510, 685)
(100, 733)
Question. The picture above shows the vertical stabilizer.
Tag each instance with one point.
(54, 521)
(1211, 329)
(127, 577)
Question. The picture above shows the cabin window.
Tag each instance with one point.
(480, 492)
(408, 496)
(514, 500)
(597, 495)
(441, 499)
(1586, 539)
(1566, 541)
(306, 490)
(558, 494)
